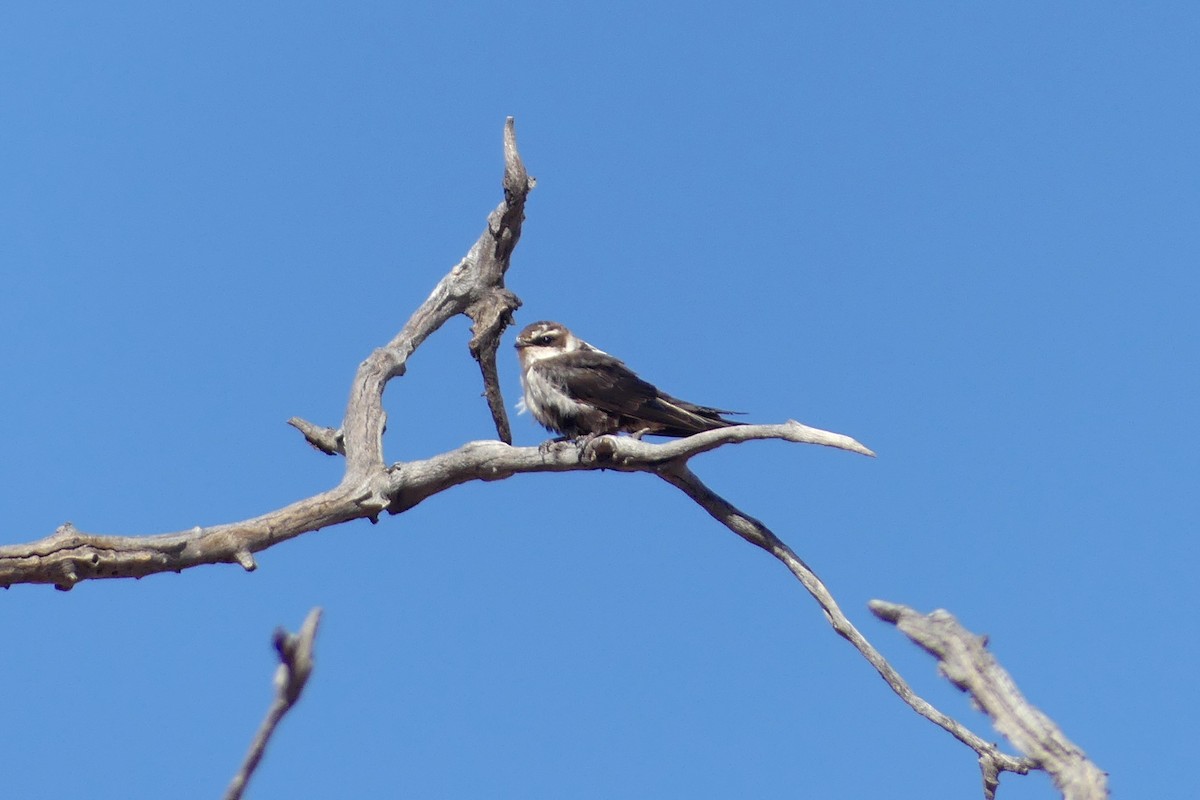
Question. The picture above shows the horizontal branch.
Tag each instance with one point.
(489, 461)
(69, 556)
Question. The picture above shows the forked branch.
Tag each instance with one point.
(369, 487)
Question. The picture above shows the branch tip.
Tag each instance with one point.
(328, 440)
(888, 612)
(295, 665)
(516, 179)
(809, 435)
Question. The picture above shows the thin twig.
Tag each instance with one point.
(327, 440)
(752, 530)
(295, 665)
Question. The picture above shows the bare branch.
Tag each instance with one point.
(295, 665)
(790, 431)
(475, 286)
(69, 555)
(415, 481)
(964, 660)
(327, 440)
(752, 530)
(492, 312)
(491, 318)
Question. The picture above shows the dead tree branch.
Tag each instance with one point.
(474, 287)
(295, 665)
(68, 555)
(756, 533)
(964, 660)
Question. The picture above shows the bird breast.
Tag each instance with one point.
(545, 400)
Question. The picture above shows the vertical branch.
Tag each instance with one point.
(483, 348)
(492, 309)
(295, 665)
(475, 287)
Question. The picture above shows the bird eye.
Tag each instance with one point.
(545, 338)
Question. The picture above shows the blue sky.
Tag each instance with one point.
(964, 235)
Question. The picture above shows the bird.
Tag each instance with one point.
(578, 390)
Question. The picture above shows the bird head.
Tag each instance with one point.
(546, 339)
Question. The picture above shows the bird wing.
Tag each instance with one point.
(605, 382)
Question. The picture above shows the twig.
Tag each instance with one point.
(964, 660)
(295, 665)
(327, 440)
(752, 530)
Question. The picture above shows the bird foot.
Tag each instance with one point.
(582, 442)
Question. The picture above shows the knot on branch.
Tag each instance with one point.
(491, 313)
(68, 576)
(64, 535)
(295, 657)
(601, 450)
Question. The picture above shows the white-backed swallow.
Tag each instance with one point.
(575, 389)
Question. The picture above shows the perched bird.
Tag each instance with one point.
(575, 389)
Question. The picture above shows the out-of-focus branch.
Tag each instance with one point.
(964, 660)
(295, 665)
